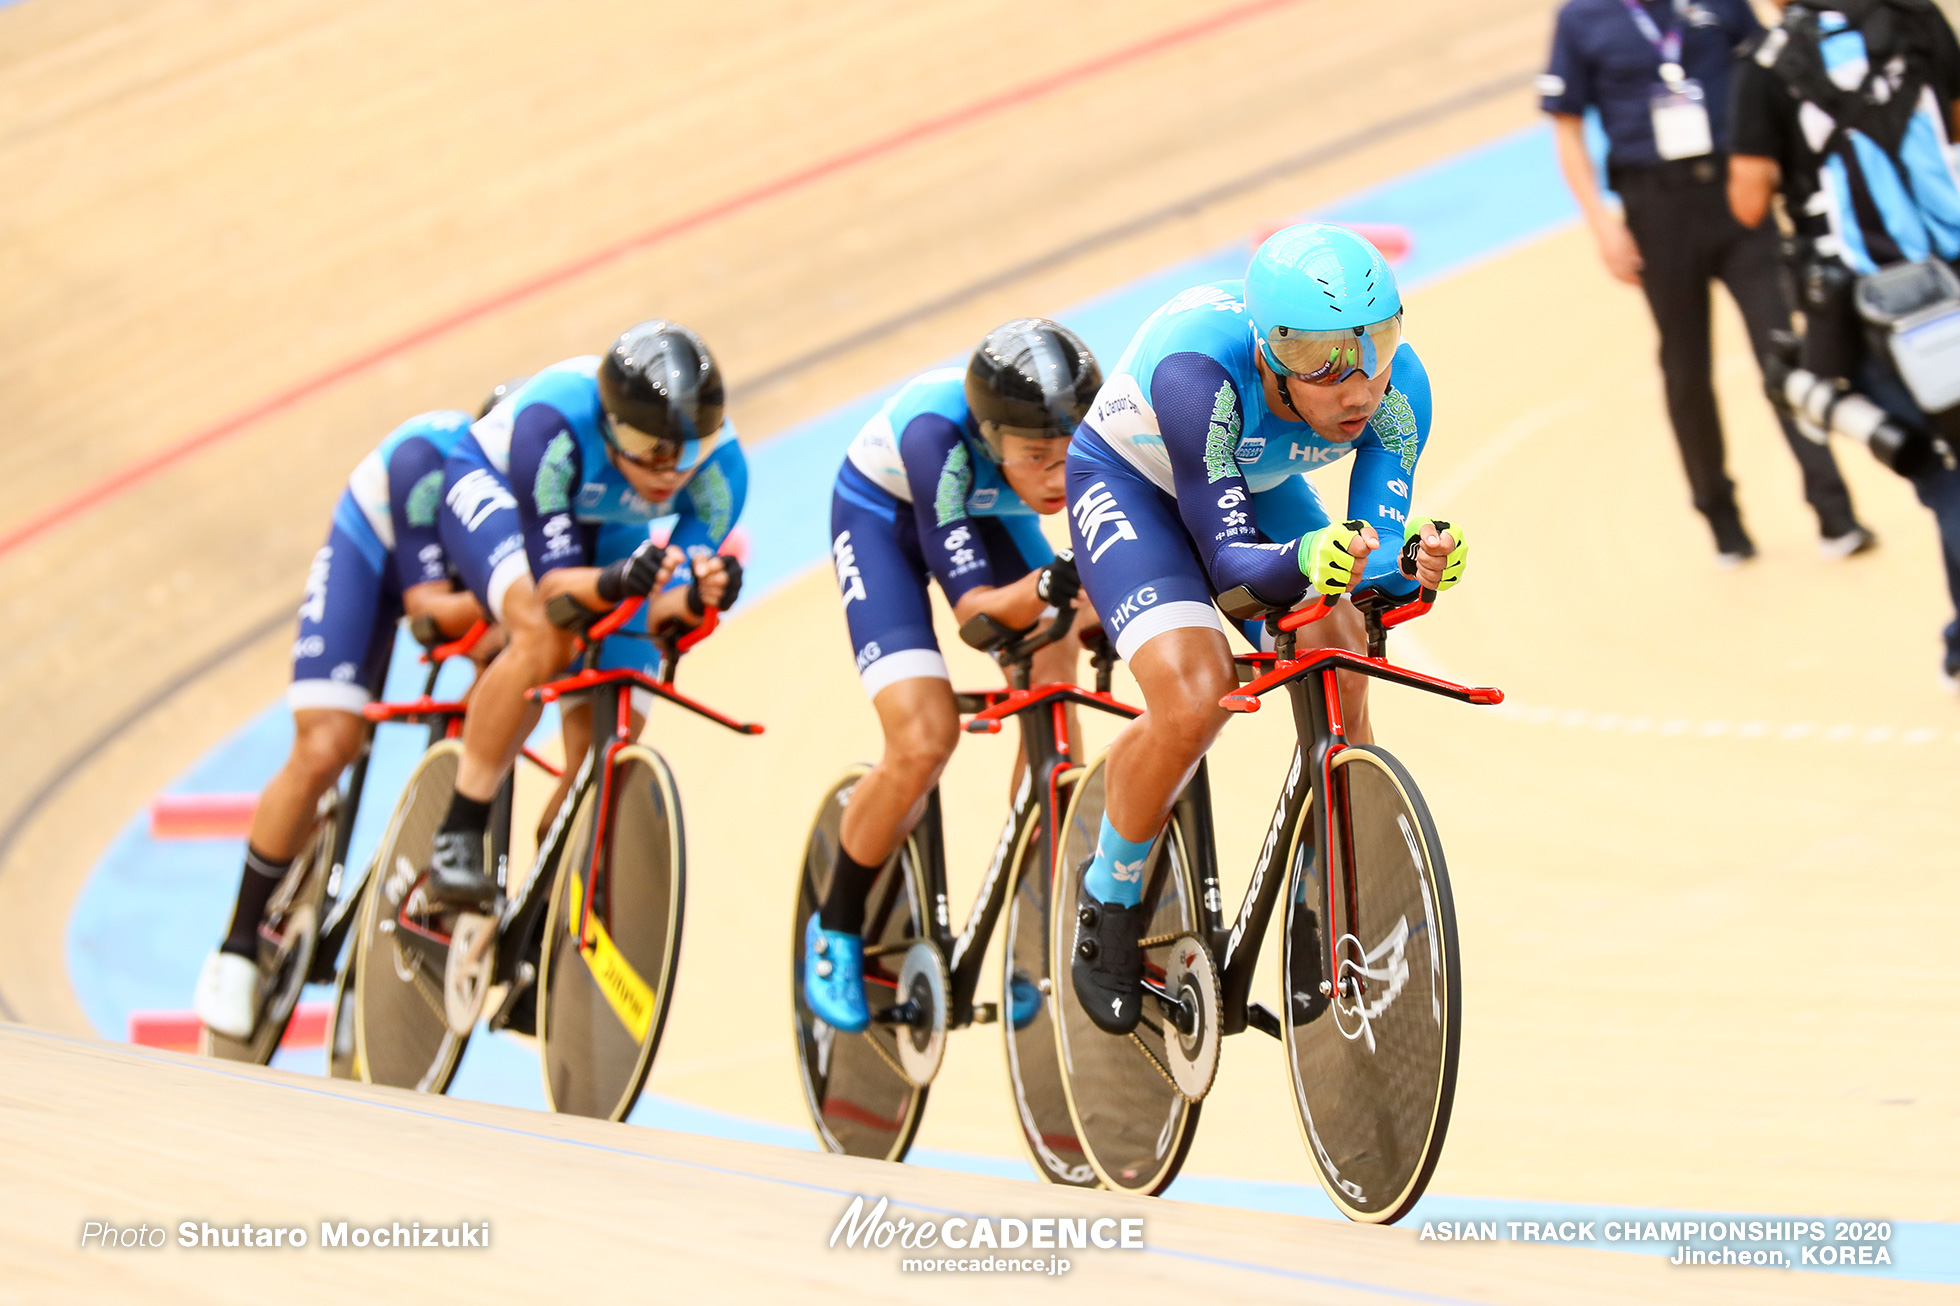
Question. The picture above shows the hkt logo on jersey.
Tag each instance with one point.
(314, 606)
(1311, 454)
(476, 497)
(849, 579)
(1095, 510)
(1138, 600)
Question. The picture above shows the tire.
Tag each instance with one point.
(860, 1102)
(1034, 1072)
(341, 1063)
(293, 914)
(1373, 1074)
(1132, 1123)
(602, 1006)
(401, 1037)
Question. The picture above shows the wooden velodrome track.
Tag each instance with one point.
(1687, 922)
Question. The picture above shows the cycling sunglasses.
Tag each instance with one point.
(1330, 357)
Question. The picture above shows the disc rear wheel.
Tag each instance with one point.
(1133, 1124)
(612, 942)
(854, 1085)
(1372, 1057)
(401, 1033)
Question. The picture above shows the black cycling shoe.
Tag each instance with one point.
(1106, 964)
(1306, 966)
(456, 879)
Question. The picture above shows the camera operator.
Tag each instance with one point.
(1850, 112)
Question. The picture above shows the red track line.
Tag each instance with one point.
(144, 468)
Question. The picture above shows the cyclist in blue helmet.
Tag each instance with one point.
(1186, 489)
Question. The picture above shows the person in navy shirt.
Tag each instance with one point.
(1658, 72)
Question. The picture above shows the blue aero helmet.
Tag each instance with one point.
(1323, 305)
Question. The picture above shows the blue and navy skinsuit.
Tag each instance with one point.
(919, 498)
(1184, 485)
(384, 540)
(530, 489)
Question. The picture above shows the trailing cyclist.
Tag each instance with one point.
(1186, 485)
(1851, 111)
(947, 482)
(547, 507)
(382, 558)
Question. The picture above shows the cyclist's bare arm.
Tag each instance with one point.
(454, 611)
(581, 583)
(1015, 605)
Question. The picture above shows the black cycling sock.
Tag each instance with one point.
(467, 816)
(843, 906)
(255, 887)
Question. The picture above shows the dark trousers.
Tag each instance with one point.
(1679, 217)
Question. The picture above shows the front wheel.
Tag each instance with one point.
(1131, 1122)
(287, 941)
(1027, 1022)
(612, 941)
(854, 1086)
(1371, 1056)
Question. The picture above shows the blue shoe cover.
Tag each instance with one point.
(833, 977)
(1023, 1001)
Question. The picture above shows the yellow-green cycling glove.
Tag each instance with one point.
(1325, 559)
(1452, 565)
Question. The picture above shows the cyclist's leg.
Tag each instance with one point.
(883, 578)
(1149, 588)
(488, 550)
(1286, 512)
(346, 630)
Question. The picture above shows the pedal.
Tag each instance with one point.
(986, 1013)
(518, 1012)
(1261, 1017)
(466, 975)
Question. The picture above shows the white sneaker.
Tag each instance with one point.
(227, 995)
(1854, 541)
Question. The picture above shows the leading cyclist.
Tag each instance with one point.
(1185, 487)
(547, 508)
(946, 482)
(382, 558)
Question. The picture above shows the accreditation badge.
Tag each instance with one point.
(1680, 114)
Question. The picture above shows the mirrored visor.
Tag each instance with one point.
(1327, 357)
(658, 453)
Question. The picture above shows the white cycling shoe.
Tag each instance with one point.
(227, 995)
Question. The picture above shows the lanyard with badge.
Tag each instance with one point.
(1678, 106)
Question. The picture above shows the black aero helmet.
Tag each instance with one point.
(661, 389)
(501, 393)
(1033, 378)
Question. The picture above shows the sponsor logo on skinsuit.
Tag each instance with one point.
(849, 579)
(1095, 510)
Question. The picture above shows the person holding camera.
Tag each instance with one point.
(1850, 113)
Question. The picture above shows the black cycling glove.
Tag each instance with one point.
(632, 577)
(731, 569)
(1058, 583)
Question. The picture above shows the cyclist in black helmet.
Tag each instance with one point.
(947, 482)
(550, 499)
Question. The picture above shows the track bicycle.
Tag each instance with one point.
(866, 1092)
(311, 911)
(1371, 1020)
(582, 954)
